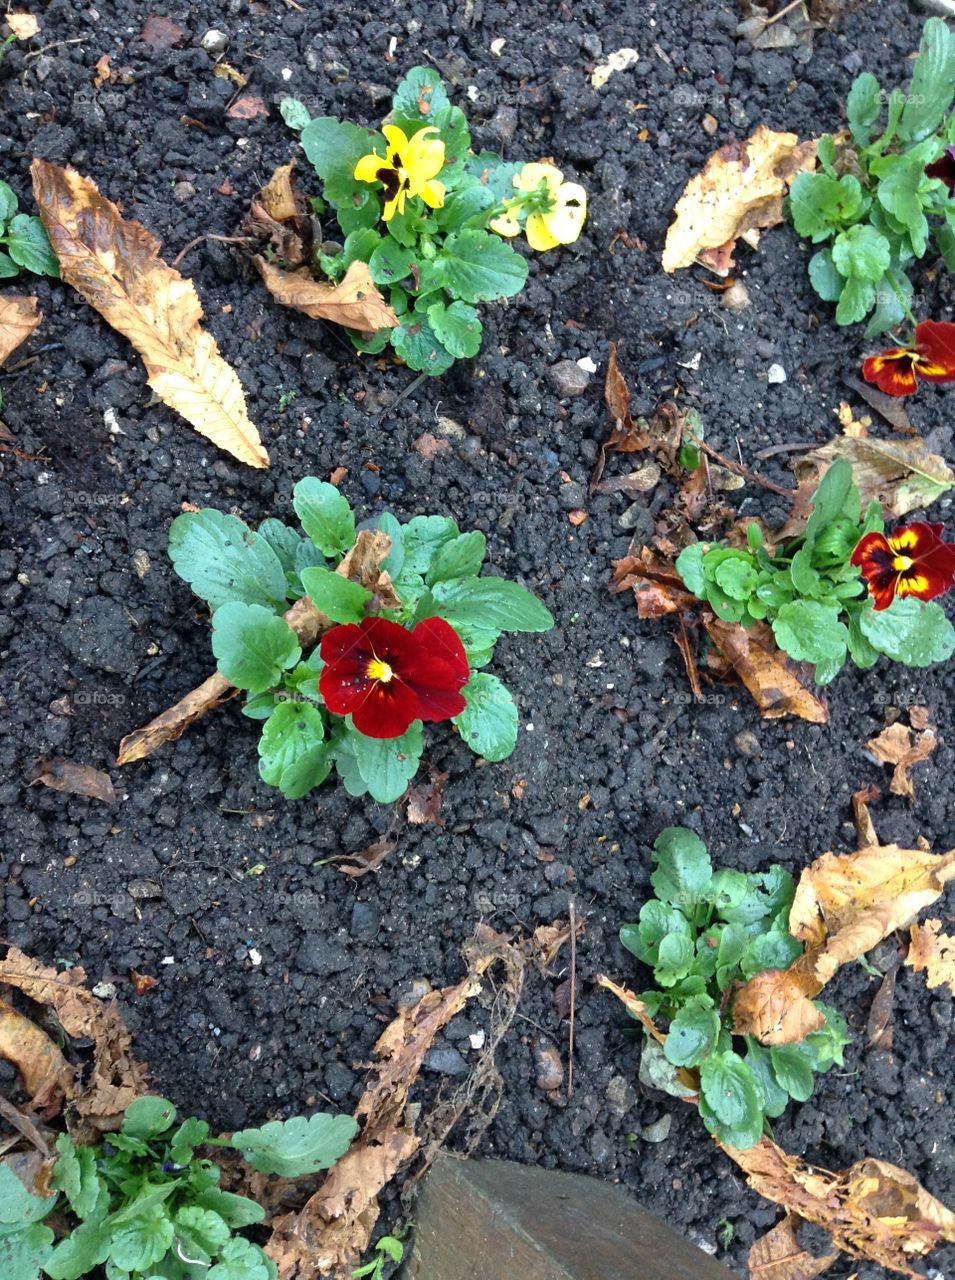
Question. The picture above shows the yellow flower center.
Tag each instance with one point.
(378, 670)
(902, 564)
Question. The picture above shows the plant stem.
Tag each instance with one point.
(901, 297)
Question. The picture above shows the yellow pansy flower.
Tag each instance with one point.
(546, 228)
(408, 169)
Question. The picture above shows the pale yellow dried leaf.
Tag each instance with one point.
(172, 723)
(115, 265)
(932, 952)
(777, 1255)
(776, 1006)
(354, 302)
(894, 746)
(23, 25)
(278, 197)
(740, 189)
(900, 474)
(18, 319)
(47, 1076)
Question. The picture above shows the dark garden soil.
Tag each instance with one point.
(200, 864)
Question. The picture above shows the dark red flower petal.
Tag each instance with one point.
(935, 343)
(441, 670)
(344, 681)
(943, 168)
(440, 639)
(893, 371)
(388, 710)
(931, 568)
(875, 557)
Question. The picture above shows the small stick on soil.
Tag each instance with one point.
(199, 239)
(24, 1126)
(782, 13)
(573, 992)
(795, 447)
(745, 472)
(686, 653)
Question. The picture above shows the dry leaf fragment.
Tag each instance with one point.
(47, 1076)
(160, 32)
(424, 800)
(776, 1006)
(247, 108)
(18, 319)
(23, 25)
(354, 302)
(278, 195)
(738, 192)
(894, 746)
(115, 265)
(776, 683)
(933, 953)
(117, 1077)
(76, 779)
(619, 60)
(172, 723)
(872, 1210)
(777, 1255)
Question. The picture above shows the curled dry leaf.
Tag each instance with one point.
(18, 319)
(872, 1210)
(901, 475)
(777, 685)
(360, 864)
(657, 587)
(116, 1077)
(844, 905)
(637, 1009)
(115, 265)
(424, 800)
(778, 1256)
(23, 25)
(894, 746)
(354, 302)
(172, 724)
(278, 196)
(77, 779)
(161, 33)
(328, 1236)
(865, 827)
(247, 108)
(932, 952)
(279, 217)
(47, 1076)
(739, 192)
(362, 564)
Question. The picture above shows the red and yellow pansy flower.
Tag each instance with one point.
(386, 677)
(932, 358)
(911, 561)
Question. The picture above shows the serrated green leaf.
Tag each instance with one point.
(458, 328)
(292, 1148)
(75, 1175)
(689, 565)
(240, 1260)
(460, 557)
(855, 301)
(24, 1252)
(933, 82)
(419, 95)
(224, 561)
(325, 515)
(811, 632)
(913, 632)
(819, 205)
(338, 597)
(293, 753)
(86, 1247)
(140, 1243)
(730, 1091)
(8, 268)
(469, 202)
(693, 1033)
(476, 266)
(657, 921)
(897, 192)
(675, 956)
(775, 1099)
(18, 1205)
(491, 602)
(864, 107)
(238, 1211)
(385, 765)
(772, 950)
(252, 646)
(683, 867)
(489, 722)
(825, 277)
(792, 1070)
(392, 262)
(424, 536)
(861, 252)
(147, 1117)
(417, 344)
(203, 1227)
(333, 148)
(29, 245)
(737, 578)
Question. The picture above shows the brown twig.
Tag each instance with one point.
(686, 653)
(745, 472)
(199, 239)
(573, 992)
(24, 1126)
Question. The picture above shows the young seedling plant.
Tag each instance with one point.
(843, 589)
(146, 1204)
(883, 197)
(703, 934)
(23, 240)
(427, 216)
(408, 651)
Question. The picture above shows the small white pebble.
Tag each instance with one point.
(168, 960)
(775, 373)
(497, 45)
(255, 955)
(587, 365)
(105, 990)
(476, 1039)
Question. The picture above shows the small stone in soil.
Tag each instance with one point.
(446, 1061)
(548, 1067)
(568, 379)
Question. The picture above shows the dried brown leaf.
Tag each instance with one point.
(865, 827)
(23, 25)
(774, 681)
(172, 723)
(160, 32)
(878, 1027)
(362, 564)
(76, 779)
(115, 265)
(247, 108)
(117, 1077)
(360, 864)
(424, 800)
(278, 195)
(777, 1255)
(894, 746)
(47, 1076)
(332, 1231)
(657, 588)
(354, 302)
(18, 319)
(738, 192)
(932, 952)
(872, 1210)
(776, 1006)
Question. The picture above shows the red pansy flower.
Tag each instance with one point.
(932, 358)
(911, 561)
(386, 677)
(944, 168)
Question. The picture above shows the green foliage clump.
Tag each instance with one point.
(24, 240)
(871, 203)
(703, 933)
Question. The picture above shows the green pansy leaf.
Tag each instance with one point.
(8, 268)
(191, 1133)
(825, 277)
(469, 202)
(386, 765)
(294, 113)
(333, 148)
(657, 921)
(898, 193)
(252, 646)
(683, 867)
(29, 246)
(737, 578)
(792, 1070)
(488, 724)
(360, 209)
(476, 266)
(292, 1148)
(416, 343)
(811, 632)
(85, 1248)
(693, 1034)
(889, 311)
(775, 1099)
(462, 557)
(424, 536)
(774, 950)
(861, 252)
(360, 245)
(238, 1211)
(864, 107)
(146, 1117)
(729, 1089)
(819, 205)
(674, 959)
(457, 327)
(855, 301)
(8, 203)
(689, 565)
(391, 262)
(240, 1260)
(140, 1243)
(224, 561)
(204, 1227)
(491, 602)
(419, 95)
(933, 83)
(910, 631)
(293, 753)
(825, 1046)
(285, 542)
(75, 1175)
(325, 515)
(338, 597)
(19, 1206)
(24, 1252)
